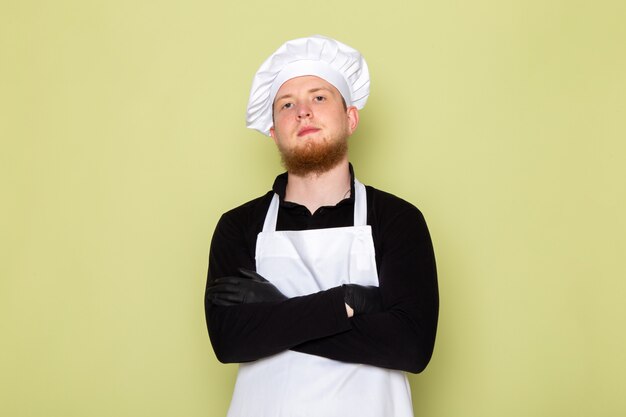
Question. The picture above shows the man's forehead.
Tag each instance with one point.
(307, 83)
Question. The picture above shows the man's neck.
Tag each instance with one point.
(314, 191)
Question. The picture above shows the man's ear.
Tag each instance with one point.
(353, 118)
(273, 134)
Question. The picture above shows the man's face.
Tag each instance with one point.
(311, 125)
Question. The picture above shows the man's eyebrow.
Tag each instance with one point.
(282, 97)
(312, 90)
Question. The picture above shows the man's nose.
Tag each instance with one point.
(304, 112)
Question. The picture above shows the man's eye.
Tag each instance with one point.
(287, 105)
(320, 98)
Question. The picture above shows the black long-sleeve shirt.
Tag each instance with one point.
(402, 337)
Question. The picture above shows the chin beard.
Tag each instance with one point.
(314, 158)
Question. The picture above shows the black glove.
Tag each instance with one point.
(248, 288)
(363, 299)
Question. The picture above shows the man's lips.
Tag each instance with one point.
(307, 130)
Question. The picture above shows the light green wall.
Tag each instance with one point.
(123, 140)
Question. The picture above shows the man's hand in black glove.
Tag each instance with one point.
(248, 288)
(362, 299)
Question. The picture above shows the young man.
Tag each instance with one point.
(325, 290)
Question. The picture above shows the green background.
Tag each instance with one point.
(123, 140)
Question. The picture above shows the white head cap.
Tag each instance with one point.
(335, 62)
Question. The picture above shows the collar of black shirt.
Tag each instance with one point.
(280, 188)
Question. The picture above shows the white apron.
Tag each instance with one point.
(293, 384)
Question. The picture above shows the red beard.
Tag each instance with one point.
(314, 157)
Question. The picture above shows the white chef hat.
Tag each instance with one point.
(335, 62)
